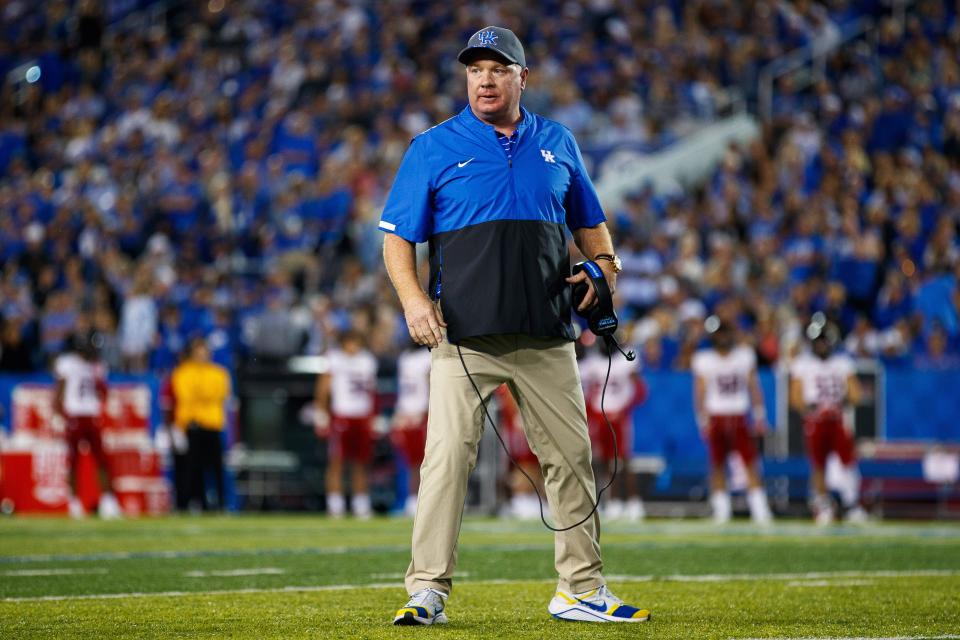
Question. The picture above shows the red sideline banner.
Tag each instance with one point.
(33, 459)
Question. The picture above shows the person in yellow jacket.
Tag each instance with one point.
(201, 389)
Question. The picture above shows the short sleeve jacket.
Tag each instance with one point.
(495, 224)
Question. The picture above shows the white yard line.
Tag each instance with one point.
(812, 575)
(215, 592)
(779, 529)
(30, 573)
(235, 553)
(829, 583)
(179, 555)
(400, 575)
(823, 575)
(234, 573)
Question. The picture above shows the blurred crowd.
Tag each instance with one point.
(849, 204)
(218, 169)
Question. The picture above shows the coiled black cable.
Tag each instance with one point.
(616, 452)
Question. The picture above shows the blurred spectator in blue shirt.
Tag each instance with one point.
(138, 322)
(936, 353)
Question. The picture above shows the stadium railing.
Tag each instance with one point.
(807, 65)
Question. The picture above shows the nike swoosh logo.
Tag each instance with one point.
(463, 164)
(596, 607)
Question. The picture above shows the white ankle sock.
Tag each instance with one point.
(759, 507)
(361, 505)
(335, 504)
(850, 489)
(722, 509)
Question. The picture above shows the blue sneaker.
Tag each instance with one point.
(596, 605)
(424, 607)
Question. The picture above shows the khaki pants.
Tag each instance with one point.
(543, 377)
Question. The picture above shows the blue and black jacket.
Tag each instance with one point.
(495, 223)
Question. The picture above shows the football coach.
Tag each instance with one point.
(493, 190)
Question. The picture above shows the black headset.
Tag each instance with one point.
(601, 318)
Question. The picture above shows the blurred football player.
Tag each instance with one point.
(79, 397)
(625, 390)
(345, 410)
(823, 383)
(725, 388)
(409, 432)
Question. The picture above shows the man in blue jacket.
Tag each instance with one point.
(493, 190)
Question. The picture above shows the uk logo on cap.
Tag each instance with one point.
(487, 37)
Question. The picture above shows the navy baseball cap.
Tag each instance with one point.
(498, 40)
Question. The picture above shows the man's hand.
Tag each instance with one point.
(424, 320)
(703, 425)
(760, 424)
(760, 427)
(321, 422)
(590, 299)
(179, 440)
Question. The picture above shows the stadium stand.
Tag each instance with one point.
(210, 168)
(170, 169)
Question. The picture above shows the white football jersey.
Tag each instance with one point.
(824, 382)
(80, 378)
(353, 383)
(621, 387)
(726, 379)
(413, 382)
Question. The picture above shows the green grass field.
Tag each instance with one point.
(309, 577)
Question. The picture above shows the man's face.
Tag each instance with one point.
(723, 340)
(494, 88)
(822, 348)
(351, 344)
(201, 352)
